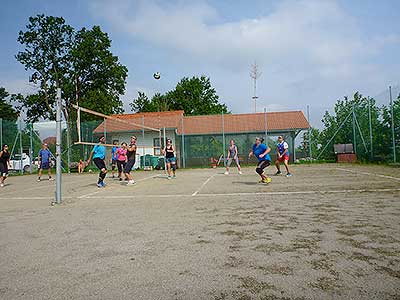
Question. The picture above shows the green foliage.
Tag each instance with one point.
(79, 62)
(195, 96)
(342, 116)
(7, 111)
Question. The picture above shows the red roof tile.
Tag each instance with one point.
(233, 123)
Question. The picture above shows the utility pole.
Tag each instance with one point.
(354, 131)
(255, 73)
(392, 116)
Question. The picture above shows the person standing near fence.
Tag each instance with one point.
(131, 155)
(44, 161)
(114, 158)
(233, 154)
(121, 160)
(98, 154)
(4, 164)
(282, 151)
(261, 151)
(170, 159)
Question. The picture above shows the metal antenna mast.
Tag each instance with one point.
(255, 73)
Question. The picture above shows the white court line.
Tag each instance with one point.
(367, 173)
(255, 194)
(204, 183)
(100, 189)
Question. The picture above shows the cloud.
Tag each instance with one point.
(309, 50)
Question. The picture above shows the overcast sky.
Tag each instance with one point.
(310, 52)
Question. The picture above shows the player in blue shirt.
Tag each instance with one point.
(261, 151)
(44, 161)
(99, 154)
(114, 158)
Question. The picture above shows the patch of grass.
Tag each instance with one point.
(355, 244)
(325, 284)
(387, 252)
(254, 286)
(389, 271)
(241, 235)
(276, 270)
(310, 243)
(349, 232)
(362, 257)
(324, 264)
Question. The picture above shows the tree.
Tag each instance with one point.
(194, 95)
(48, 42)
(7, 111)
(80, 63)
(387, 125)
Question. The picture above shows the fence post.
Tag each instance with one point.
(20, 144)
(183, 145)
(69, 147)
(58, 146)
(1, 132)
(309, 131)
(371, 148)
(223, 138)
(392, 116)
(143, 149)
(354, 130)
(30, 147)
(265, 124)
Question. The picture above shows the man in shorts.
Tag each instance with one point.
(98, 154)
(4, 164)
(282, 151)
(261, 151)
(131, 155)
(44, 161)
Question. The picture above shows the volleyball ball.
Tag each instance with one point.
(157, 75)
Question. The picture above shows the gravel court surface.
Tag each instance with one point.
(325, 233)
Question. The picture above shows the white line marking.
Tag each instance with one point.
(370, 174)
(255, 194)
(100, 189)
(204, 183)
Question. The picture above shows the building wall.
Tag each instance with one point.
(145, 142)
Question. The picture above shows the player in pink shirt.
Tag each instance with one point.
(121, 160)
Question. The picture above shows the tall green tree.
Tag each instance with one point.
(7, 111)
(79, 62)
(47, 54)
(195, 96)
(387, 126)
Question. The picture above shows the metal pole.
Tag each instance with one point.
(69, 148)
(20, 144)
(309, 131)
(223, 138)
(354, 131)
(370, 129)
(105, 129)
(165, 145)
(183, 145)
(58, 146)
(1, 132)
(143, 149)
(30, 148)
(392, 116)
(265, 123)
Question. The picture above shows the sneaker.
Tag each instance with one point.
(103, 184)
(174, 176)
(240, 173)
(289, 175)
(99, 185)
(278, 173)
(266, 180)
(226, 173)
(1, 184)
(51, 179)
(130, 182)
(169, 177)
(38, 180)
